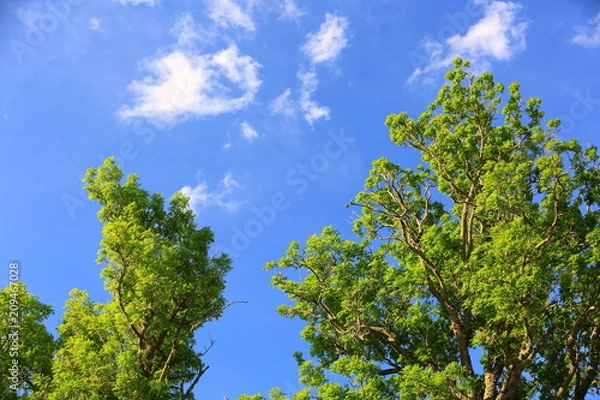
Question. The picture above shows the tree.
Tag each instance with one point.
(26, 347)
(163, 284)
(475, 275)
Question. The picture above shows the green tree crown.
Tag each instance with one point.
(475, 275)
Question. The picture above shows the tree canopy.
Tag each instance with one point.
(475, 273)
(163, 287)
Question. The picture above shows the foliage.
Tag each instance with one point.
(163, 286)
(476, 272)
(25, 341)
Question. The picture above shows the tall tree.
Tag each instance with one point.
(164, 285)
(476, 275)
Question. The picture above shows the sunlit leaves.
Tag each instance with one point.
(163, 284)
(475, 275)
(25, 340)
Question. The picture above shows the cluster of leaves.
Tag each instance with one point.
(476, 273)
(24, 340)
(163, 286)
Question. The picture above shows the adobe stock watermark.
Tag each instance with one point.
(457, 23)
(14, 327)
(298, 179)
(126, 152)
(44, 22)
(581, 108)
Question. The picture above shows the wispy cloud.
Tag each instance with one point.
(322, 46)
(94, 23)
(230, 183)
(313, 111)
(186, 30)
(184, 84)
(138, 2)
(227, 14)
(588, 36)
(283, 104)
(201, 196)
(327, 43)
(290, 11)
(248, 132)
(499, 34)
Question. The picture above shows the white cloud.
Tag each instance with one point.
(198, 195)
(186, 30)
(248, 132)
(290, 11)
(283, 104)
(589, 36)
(324, 45)
(94, 23)
(328, 42)
(183, 84)
(138, 2)
(201, 196)
(226, 13)
(499, 35)
(230, 183)
(312, 110)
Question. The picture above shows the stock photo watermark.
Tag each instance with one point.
(580, 109)
(13, 326)
(298, 179)
(41, 22)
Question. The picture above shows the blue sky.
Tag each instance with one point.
(266, 113)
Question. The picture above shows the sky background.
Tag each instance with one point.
(266, 113)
